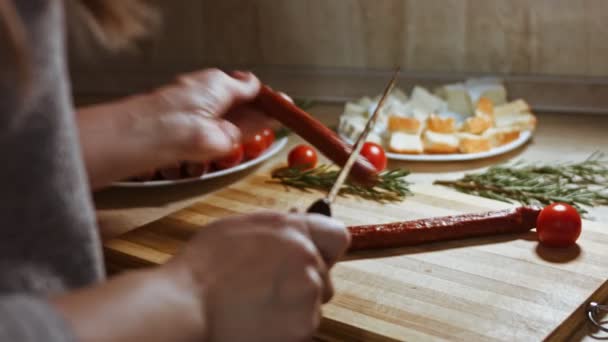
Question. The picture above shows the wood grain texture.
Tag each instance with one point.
(440, 39)
(549, 37)
(497, 288)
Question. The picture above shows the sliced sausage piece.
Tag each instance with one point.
(314, 132)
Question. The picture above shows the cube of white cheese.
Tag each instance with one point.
(489, 87)
(399, 95)
(354, 109)
(458, 98)
(351, 126)
(405, 143)
(424, 101)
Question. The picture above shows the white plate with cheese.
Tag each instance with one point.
(457, 122)
(522, 140)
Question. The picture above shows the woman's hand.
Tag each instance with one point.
(198, 118)
(208, 112)
(259, 277)
(263, 277)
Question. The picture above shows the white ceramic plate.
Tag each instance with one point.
(524, 137)
(274, 149)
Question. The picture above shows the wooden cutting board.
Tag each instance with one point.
(497, 288)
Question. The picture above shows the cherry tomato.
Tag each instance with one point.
(269, 136)
(146, 176)
(255, 146)
(302, 157)
(197, 169)
(173, 172)
(233, 159)
(374, 153)
(558, 225)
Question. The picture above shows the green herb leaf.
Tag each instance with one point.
(583, 184)
(391, 186)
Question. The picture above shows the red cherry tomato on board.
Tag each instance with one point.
(374, 153)
(558, 225)
(255, 146)
(269, 136)
(233, 159)
(302, 157)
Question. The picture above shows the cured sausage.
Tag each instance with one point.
(408, 233)
(313, 131)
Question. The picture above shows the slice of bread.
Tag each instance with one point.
(404, 124)
(485, 106)
(439, 143)
(501, 136)
(521, 122)
(477, 124)
(439, 124)
(405, 143)
(517, 106)
(472, 143)
(515, 115)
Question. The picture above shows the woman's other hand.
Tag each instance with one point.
(200, 117)
(262, 277)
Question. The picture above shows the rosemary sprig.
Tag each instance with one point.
(582, 184)
(391, 186)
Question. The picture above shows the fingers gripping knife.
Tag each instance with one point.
(323, 205)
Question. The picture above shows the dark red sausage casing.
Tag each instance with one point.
(314, 132)
(409, 233)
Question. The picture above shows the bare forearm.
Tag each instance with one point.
(117, 144)
(140, 306)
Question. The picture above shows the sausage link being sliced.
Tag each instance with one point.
(409, 233)
(314, 132)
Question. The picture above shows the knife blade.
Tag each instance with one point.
(323, 205)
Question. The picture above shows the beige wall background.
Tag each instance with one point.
(548, 40)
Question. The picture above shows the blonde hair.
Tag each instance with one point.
(115, 23)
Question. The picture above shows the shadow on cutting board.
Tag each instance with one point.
(553, 255)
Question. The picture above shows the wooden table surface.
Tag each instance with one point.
(559, 137)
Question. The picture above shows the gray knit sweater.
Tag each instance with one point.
(48, 236)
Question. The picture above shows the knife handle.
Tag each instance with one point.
(321, 206)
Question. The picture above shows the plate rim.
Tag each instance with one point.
(275, 148)
(524, 137)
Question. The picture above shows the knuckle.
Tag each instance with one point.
(274, 219)
(305, 252)
(184, 80)
(214, 74)
(329, 291)
(313, 284)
